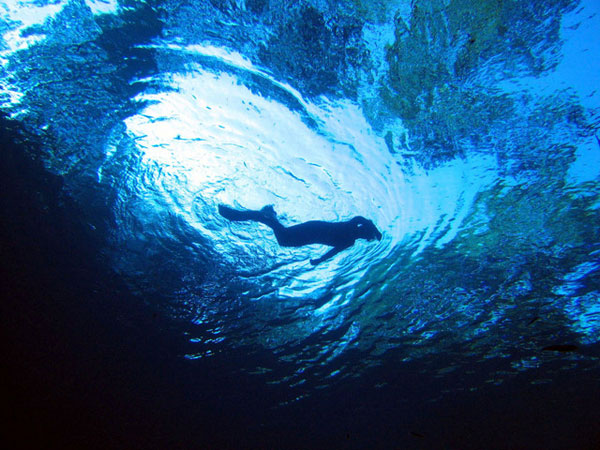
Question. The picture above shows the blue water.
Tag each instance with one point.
(467, 132)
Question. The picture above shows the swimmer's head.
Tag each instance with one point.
(365, 229)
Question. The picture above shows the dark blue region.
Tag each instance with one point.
(87, 364)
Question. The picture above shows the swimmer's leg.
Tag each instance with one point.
(266, 215)
(237, 215)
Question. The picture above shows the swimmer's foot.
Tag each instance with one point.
(232, 214)
(269, 212)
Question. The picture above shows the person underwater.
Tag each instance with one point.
(338, 235)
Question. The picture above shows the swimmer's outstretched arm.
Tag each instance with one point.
(334, 251)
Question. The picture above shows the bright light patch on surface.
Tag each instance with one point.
(444, 196)
(586, 166)
(102, 6)
(217, 141)
(580, 67)
(21, 15)
(572, 281)
(462, 180)
(584, 312)
(233, 58)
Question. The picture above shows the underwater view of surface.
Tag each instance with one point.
(467, 132)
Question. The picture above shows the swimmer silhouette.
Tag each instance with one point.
(339, 235)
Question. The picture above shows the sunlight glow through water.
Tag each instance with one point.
(209, 138)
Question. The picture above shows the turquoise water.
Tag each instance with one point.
(467, 132)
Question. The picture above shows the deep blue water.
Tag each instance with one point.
(137, 316)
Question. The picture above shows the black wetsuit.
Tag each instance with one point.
(339, 235)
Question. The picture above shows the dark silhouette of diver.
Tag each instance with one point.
(339, 235)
